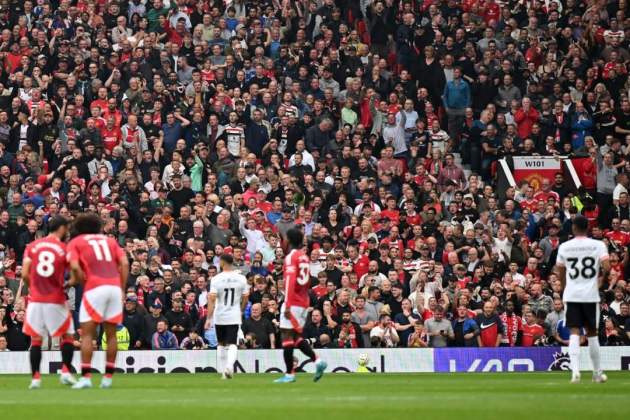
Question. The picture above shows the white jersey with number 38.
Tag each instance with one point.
(230, 287)
(581, 258)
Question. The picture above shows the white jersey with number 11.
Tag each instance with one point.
(230, 287)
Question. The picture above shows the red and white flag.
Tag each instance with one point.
(534, 169)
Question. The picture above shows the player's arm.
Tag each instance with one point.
(77, 275)
(561, 269)
(26, 270)
(244, 300)
(212, 300)
(604, 263)
(123, 269)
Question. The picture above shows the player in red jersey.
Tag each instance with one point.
(101, 266)
(43, 270)
(297, 281)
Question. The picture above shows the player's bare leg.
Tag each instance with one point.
(288, 344)
(88, 331)
(593, 350)
(67, 351)
(112, 350)
(574, 355)
(35, 354)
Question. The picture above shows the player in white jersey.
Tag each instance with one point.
(578, 266)
(226, 302)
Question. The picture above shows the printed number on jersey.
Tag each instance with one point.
(584, 267)
(228, 296)
(101, 250)
(303, 277)
(45, 264)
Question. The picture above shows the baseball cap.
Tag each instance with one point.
(469, 196)
(131, 299)
(156, 305)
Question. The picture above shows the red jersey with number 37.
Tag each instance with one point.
(98, 255)
(48, 266)
(297, 279)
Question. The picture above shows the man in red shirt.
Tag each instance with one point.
(358, 261)
(111, 135)
(546, 192)
(491, 12)
(617, 236)
(525, 118)
(531, 330)
(43, 270)
(101, 266)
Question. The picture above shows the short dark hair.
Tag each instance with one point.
(57, 222)
(227, 258)
(295, 237)
(87, 223)
(580, 224)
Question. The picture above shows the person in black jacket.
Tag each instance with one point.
(150, 323)
(18, 341)
(179, 321)
(134, 322)
(430, 75)
(347, 334)
(315, 328)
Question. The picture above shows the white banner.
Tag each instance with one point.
(269, 361)
(249, 361)
(536, 163)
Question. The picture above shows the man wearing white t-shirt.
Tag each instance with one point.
(226, 302)
(578, 265)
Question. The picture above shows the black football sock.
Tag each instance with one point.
(288, 359)
(36, 358)
(306, 348)
(67, 351)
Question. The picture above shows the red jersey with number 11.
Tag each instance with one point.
(98, 255)
(297, 279)
(48, 266)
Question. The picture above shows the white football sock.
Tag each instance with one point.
(221, 355)
(232, 351)
(593, 351)
(574, 353)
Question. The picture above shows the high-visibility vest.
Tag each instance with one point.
(122, 338)
(577, 203)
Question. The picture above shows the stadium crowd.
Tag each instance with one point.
(201, 127)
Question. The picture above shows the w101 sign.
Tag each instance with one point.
(502, 359)
(534, 169)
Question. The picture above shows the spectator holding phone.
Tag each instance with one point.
(439, 329)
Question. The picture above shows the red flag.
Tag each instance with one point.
(586, 169)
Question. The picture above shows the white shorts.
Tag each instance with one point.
(296, 321)
(102, 304)
(47, 319)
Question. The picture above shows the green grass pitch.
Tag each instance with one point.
(509, 396)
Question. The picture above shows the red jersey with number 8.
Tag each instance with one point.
(297, 279)
(48, 266)
(98, 256)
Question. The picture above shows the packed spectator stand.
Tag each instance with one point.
(197, 127)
